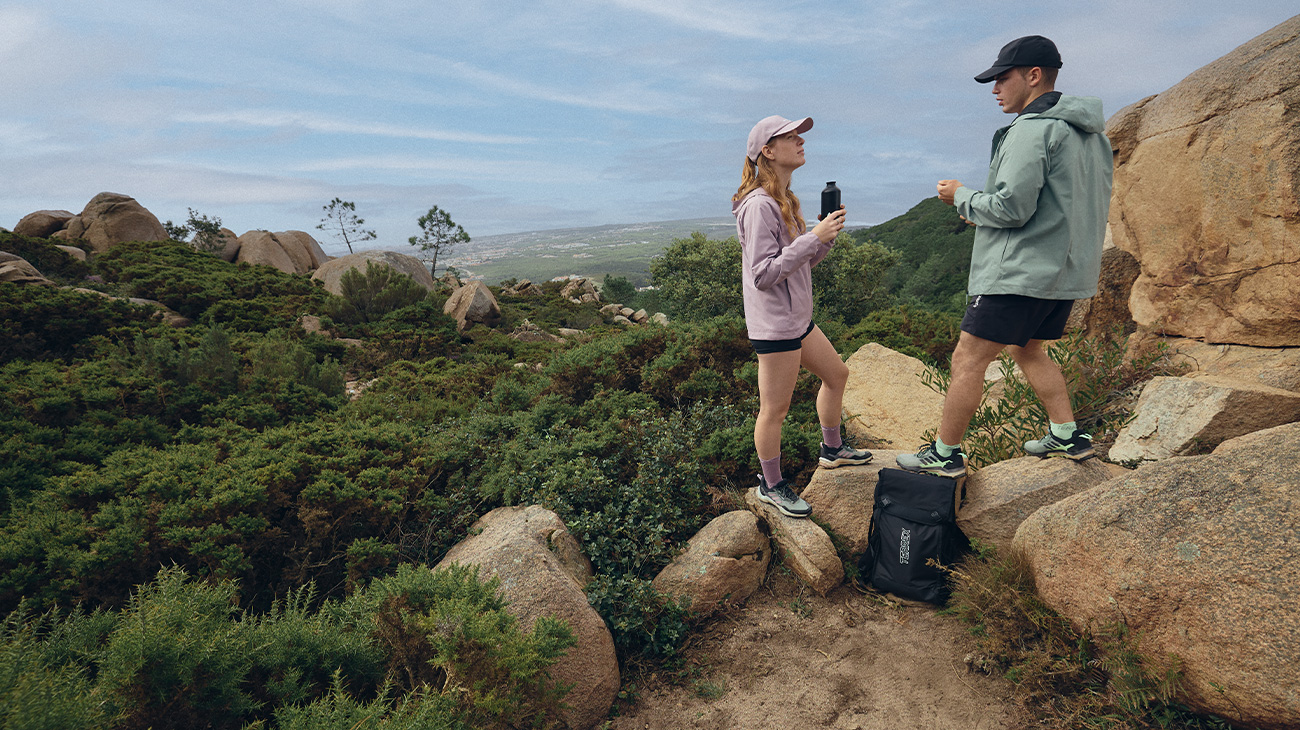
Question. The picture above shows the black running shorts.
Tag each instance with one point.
(764, 347)
(1011, 319)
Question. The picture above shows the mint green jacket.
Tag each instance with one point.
(1041, 218)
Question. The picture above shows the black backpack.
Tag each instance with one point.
(914, 520)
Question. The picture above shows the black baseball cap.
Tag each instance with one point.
(1032, 50)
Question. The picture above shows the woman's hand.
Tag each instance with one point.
(830, 226)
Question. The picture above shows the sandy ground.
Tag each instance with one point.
(790, 659)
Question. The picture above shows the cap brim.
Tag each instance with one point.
(992, 73)
(799, 126)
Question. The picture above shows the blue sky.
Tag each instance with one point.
(517, 116)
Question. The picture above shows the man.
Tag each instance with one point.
(1039, 226)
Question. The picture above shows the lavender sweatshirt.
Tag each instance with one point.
(777, 272)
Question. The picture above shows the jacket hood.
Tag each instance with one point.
(735, 204)
(1083, 112)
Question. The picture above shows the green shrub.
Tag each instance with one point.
(39, 689)
(44, 322)
(447, 631)
(368, 296)
(177, 658)
(54, 264)
(699, 278)
(252, 298)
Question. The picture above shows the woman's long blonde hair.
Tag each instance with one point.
(761, 175)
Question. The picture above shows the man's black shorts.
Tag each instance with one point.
(1011, 319)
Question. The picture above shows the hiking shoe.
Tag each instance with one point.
(782, 497)
(1077, 447)
(928, 461)
(842, 455)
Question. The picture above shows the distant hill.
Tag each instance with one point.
(620, 250)
(935, 244)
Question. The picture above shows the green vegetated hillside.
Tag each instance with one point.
(199, 527)
(198, 522)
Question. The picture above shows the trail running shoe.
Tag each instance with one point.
(1077, 447)
(842, 455)
(782, 497)
(928, 461)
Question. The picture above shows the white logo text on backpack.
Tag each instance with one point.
(905, 546)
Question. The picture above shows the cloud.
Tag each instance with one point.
(327, 125)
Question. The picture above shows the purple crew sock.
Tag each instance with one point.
(771, 470)
(831, 437)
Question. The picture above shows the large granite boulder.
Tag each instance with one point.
(473, 304)
(331, 272)
(228, 247)
(1002, 495)
(112, 218)
(1207, 197)
(1187, 415)
(807, 549)
(1200, 557)
(543, 572)
(43, 223)
(293, 252)
(886, 404)
(724, 561)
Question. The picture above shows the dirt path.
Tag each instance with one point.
(789, 659)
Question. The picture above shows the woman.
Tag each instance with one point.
(778, 253)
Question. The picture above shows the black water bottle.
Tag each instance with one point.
(830, 200)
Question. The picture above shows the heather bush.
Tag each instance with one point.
(42, 253)
(256, 298)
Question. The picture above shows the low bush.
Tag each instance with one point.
(44, 254)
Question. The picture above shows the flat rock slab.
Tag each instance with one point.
(1000, 496)
(1182, 416)
(807, 548)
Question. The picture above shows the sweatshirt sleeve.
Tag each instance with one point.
(770, 263)
(1013, 196)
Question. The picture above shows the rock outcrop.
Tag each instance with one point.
(808, 550)
(1108, 311)
(331, 272)
(724, 561)
(18, 270)
(1002, 495)
(473, 304)
(1207, 197)
(1197, 556)
(1189, 415)
(543, 571)
(112, 218)
(293, 252)
(1275, 367)
(885, 402)
(43, 223)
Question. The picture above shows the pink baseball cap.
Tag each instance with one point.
(770, 127)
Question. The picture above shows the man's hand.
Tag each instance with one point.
(948, 189)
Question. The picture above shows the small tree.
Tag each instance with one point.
(438, 235)
(342, 222)
(206, 231)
